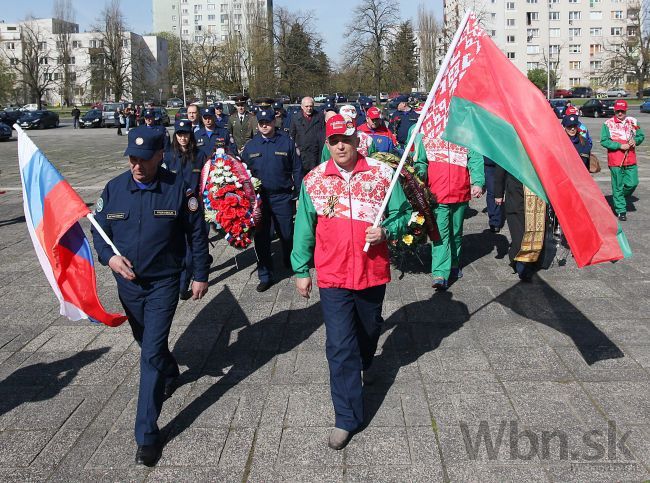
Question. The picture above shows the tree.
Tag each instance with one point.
(37, 64)
(428, 32)
(628, 56)
(64, 15)
(7, 81)
(203, 64)
(257, 44)
(112, 56)
(372, 25)
(402, 65)
(539, 78)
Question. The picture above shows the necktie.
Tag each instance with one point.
(241, 119)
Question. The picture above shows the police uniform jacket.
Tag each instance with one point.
(219, 138)
(221, 121)
(275, 163)
(283, 123)
(149, 226)
(405, 119)
(162, 129)
(242, 132)
(189, 170)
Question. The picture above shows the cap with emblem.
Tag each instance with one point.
(241, 100)
(265, 102)
(400, 99)
(218, 105)
(620, 105)
(277, 105)
(337, 124)
(183, 125)
(149, 113)
(330, 106)
(373, 113)
(349, 111)
(144, 142)
(571, 120)
(265, 115)
(207, 112)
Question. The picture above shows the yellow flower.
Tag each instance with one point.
(408, 239)
(420, 219)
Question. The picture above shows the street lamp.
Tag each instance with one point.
(144, 93)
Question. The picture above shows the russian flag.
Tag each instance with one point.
(52, 211)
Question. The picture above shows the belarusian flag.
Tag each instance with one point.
(483, 102)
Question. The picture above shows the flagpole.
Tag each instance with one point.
(103, 234)
(421, 117)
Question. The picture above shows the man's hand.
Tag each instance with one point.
(375, 235)
(632, 143)
(123, 266)
(498, 201)
(477, 191)
(625, 147)
(199, 289)
(303, 285)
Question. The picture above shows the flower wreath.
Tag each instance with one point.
(231, 203)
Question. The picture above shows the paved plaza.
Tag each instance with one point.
(492, 380)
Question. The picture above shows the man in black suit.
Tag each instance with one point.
(308, 132)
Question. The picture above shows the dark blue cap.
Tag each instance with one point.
(144, 142)
(207, 112)
(330, 106)
(571, 120)
(265, 115)
(399, 99)
(218, 105)
(367, 102)
(183, 125)
(149, 113)
(278, 105)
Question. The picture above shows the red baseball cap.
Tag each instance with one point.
(339, 125)
(620, 105)
(571, 110)
(373, 113)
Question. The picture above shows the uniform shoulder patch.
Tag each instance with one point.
(99, 206)
(193, 204)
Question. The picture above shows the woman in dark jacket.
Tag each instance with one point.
(581, 143)
(184, 158)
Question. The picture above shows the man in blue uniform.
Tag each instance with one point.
(365, 103)
(148, 212)
(211, 137)
(150, 122)
(220, 119)
(282, 120)
(403, 119)
(272, 159)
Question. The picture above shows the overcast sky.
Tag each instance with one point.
(331, 15)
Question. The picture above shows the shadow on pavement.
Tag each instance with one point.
(234, 351)
(18, 387)
(12, 221)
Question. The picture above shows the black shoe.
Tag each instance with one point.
(263, 286)
(185, 295)
(170, 387)
(622, 216)
(147, 455)
(495, 229)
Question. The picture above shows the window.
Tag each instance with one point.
(595, 65)
(595, 15)
(173, 28)
(237, 6)
(575, 48)
(72, 60)
(197, 38)
(173, 18)
(574, 81)
(595, 49)
(631, 31)
(596, 31)
(211, 6)
(198, 18)
(510, 5)
(510, 55)
(198, 28)
(510, 39)
(224, 18)
(531, 17)
(616, 30)
(574, 32)
(593, 3)
(186, 31)
(532, 33)
(531, 1)
(11, 28)
(510, 22)
(13, 61)
(554, 49)
(185, 21)
(43, 60)
(532, 65)
(42, 45)
(575, 15)
(10, 46)
(224, 37)
(553, 32)
(532, 49)
(76, 44)
(184, 11)
(198, 7)
(56, 76)
(554, 15)
(96, 44)
(224, 8)
(574, 65)
(617, 14)
(125, 43)
(211, 17)
(493, 16)
(574, 1)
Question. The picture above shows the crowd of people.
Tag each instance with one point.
(321, 191)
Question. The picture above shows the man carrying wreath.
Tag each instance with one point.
(339, 201)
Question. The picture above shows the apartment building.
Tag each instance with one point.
(145, 62)
(574, 37)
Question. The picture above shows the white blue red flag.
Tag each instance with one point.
(52, 212)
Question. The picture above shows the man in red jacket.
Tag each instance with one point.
(385, 140)
(339, 201)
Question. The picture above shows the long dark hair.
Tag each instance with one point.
(190, 154)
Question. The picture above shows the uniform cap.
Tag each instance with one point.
(218, 105)
(278, 105)
(144, 142)
(149, 113)
(373, 113)
(337, 124)
(183, 125)
(399, 99)
(241, 100)
(620, 105)
(265, 115)
(349, 111)
(571, 120)
(207, 112)
(367, 103)
(330, 106)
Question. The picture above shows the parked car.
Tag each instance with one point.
(29, 107)
(383, 96)
(645, 107)
(559, 106)
(283, 98)
(39, 119)
(10, 116)
(5, 131)
(340, 97)
(92, 118)
(108, 111)
(321, 97)
(181, 114)
(174, 102)
(617, 92)
(598, 108)
(583, 92)
(562, 93)
(645, 93)
(160, 117)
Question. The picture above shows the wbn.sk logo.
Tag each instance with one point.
(594, 445)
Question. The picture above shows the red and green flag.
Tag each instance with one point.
(483, 102)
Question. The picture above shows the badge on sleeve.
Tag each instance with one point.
(99, 206)
(193, 204)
